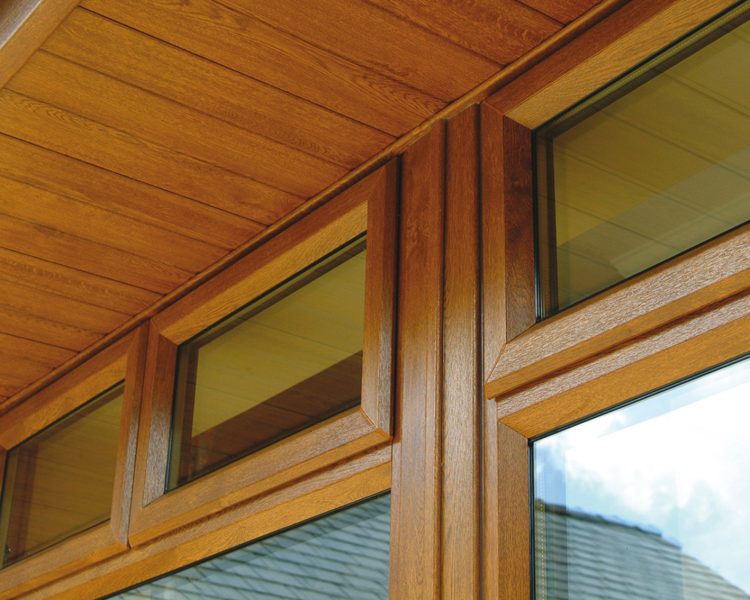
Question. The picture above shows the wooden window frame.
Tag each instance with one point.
(370, 206)
(123, 361)
(673, 321)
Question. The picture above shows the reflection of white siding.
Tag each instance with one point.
(592, 558)
(343, 555)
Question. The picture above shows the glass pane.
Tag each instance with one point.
(288, 360)
(652, 166)
(342, 555)
(59, 482)
(649, 501)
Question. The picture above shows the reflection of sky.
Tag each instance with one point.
(678, 461)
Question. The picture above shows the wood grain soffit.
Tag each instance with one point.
(24, 26)
(44, 15)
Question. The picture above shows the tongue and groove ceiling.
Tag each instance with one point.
(146, 139)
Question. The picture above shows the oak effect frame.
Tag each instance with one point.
(369, 206)
(122, 361)
(673, 321)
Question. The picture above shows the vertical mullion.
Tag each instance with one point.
(462, 399)
(416, 493)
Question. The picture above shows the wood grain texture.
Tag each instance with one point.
(49, 277)
(513, 502)
(381, 281)
(308, 240)
(694, 343)
(24, 25)
(500, 30)
(508, 308)
(563, 11)
(104, 189)
(128, 55)
(100, 373)
(72, 251)
(416, 495)
(87, 140)
(313, 449)
(250, 79)
(121, 361)
(421, 59)
(91, 223)
(260, 51)
(462, 397)
(702, 277)
(152, 118)
(616, 44)
(43, 354)
(325, 491)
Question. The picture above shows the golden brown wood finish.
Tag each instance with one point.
(689, 283)
(122, 108)
(671, 322)
(317, 447)
(416, 494)
(462, 397)
(508, 308)
(342, 484)
(24, 25)
(616, 44)
(122, 361)
(513, 535)
(479, 25)
(696, 343)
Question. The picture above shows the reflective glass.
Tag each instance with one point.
(342, 555)
(654, 165)
(288, 360)
(59, 482)
(649, 501)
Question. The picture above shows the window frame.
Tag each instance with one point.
(123, 361)
(370, 206)
(668, 323)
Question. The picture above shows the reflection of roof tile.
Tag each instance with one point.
(589, 557)
(343, 555)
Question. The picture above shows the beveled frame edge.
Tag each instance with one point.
(620, 41)
(683, 285)
(695, 345)
(123, 360)
(331, 489)
(616, 44)
(370, 205)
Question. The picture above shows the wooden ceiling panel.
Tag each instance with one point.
(54, 308)
(146, 116)
(261, 52)
(52, 278)
(99, 259)
(410, 55)
(105, 227)
(81, 181)
(144, 140)
(126, 54)
(73, 135)
(563, 11)
(43, 354)
(501, 30)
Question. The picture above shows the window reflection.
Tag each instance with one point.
(342, 555)
(654, 165)
(60, 482)
(288, 360)
(650, 500)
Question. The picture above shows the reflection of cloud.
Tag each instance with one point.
(682, 467)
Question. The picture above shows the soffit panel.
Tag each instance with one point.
(147, 139)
